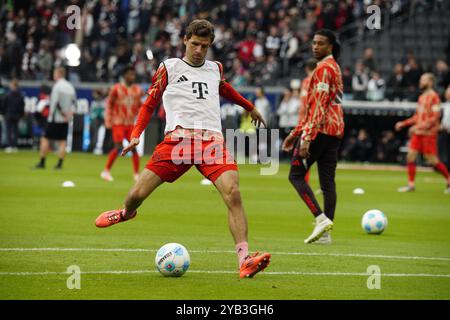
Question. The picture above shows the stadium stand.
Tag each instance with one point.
(259, 42)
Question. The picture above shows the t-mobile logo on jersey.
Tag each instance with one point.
(200, 88)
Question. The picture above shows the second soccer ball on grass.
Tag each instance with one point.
(374, 221)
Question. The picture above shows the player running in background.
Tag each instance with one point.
(321, 132)
(424, 128)
(190, 89)
(309, 68)
(122, 107)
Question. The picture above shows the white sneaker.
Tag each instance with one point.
(8, 150)
(406, 189)
(320, 228)
(106, 175)
(325, 239)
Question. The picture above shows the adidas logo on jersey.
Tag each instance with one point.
(182, 78)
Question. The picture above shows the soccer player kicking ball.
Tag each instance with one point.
(190, 89)
(321, 132)
(122, 107)
(424, 131)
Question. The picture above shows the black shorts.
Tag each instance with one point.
(324, 150)
(56, 131)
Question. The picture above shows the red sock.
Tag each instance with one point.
(440, 167)
(242, 252)
(307, 177)
(135, 158)
(111, 157)
(411, 172)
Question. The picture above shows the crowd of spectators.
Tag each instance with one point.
(362, 147)
(258, 41)
(364, 82)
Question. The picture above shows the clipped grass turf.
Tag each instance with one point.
(413, 254)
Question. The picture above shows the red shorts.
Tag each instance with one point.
(424, 144)
(120, 132)
(172, 158)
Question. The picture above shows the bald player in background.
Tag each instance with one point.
(424, 128)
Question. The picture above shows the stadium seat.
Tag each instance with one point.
(420, 20)
(409, 32)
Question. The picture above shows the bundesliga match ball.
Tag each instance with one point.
(374, 222)
(172, 260)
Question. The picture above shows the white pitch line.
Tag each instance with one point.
(355, 255)
(81, 249)
(298, 273)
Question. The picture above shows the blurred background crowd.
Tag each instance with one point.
(261, 43)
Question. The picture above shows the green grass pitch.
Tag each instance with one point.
(413, 253)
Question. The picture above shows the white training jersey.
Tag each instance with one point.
(191, 97)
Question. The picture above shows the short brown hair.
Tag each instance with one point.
(200, 28)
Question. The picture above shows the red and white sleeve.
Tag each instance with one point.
(155, 92)
(320, 100)
(110, 100)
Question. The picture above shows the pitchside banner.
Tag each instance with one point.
(78, 138)
(372, 116)
(79, 134)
